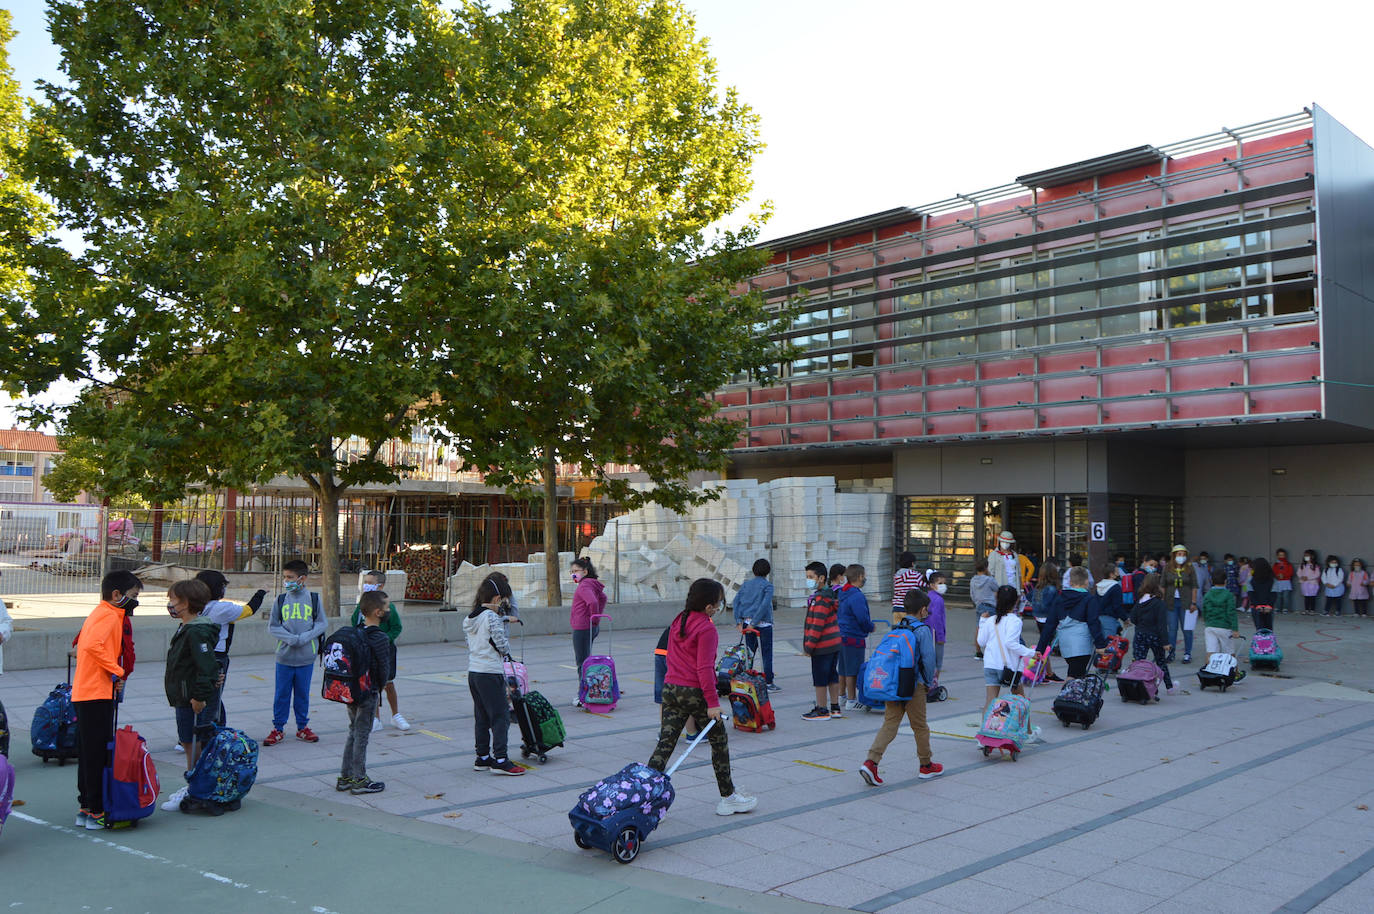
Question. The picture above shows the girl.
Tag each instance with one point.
(1046, 593)
(1151, 617)
(1262, 594)
(588, 600)
(1247, 571)
(1309, 575)
(689, 690)
(999, 638)
(1283, 582)
(1333, 582)
(488, 647)
(1359, 587)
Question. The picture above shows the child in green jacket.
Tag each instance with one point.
(391, 627)
(1219, 615)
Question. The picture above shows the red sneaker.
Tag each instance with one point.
(307, 735)
(273, 738)
(869, 772)
(933, 770)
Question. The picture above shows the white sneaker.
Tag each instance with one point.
(174, 801)
(81, 818)
(400, 722)
(735, 802)
(376, 724)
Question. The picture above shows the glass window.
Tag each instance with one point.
(1076, 330)
(1184, 315)
(1222, 310)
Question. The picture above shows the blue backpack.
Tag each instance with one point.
(53, 732)
(226, 769)
(890, 674)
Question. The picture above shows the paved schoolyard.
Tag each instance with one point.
(1252, 800)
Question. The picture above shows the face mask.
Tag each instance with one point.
(1230, 563)
(172, 611)
(1307, 559)
(941, 588)
(1333, 564)
(368, 588)
(577, 576)
(809, 584)
(291, 586)
(129, 605)
(1180, 559)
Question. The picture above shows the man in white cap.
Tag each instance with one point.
(1009, 567)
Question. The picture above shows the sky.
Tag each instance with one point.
(866, 105)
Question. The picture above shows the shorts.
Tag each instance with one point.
(660, 670)
(195, 727)
(825, 669)
(939, 655)
(851, 658)
(992, 677)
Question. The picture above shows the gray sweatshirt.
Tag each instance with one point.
(481, 631)
(297, 622)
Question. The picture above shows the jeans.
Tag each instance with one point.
(94, 731)
(1111, 625)
(582, 645)
(763, 644)
(293, 690)
(1283, 601)
(1333, 605)
(491, 713)
(359, 732)
(1176, 623)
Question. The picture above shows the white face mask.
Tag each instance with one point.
(941, 588)
(1180, 559)
(810, 584)
(368, 588)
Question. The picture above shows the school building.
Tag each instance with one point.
(1165, 344)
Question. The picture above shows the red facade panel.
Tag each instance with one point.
(1140, 383)
(901, 428)
(1134, 354)
(1289, 400)
(1071, 388)
(1286, 369)
(1293, 336)
(1202, 346)
(1207, 376)
(1011, 420)
(1077, 360)
(853, 384)
(1007, 368)
(952, 425)
(896, 380)
(1210, 406)
(950, 398)
(951, 374)
(1135, 412)
(855, 431)
(899, 404)
(1008, 393)
(901, 228)
(1068, 416)
(810, 410)
(852, 409)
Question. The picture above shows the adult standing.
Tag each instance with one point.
(1008, 567)
(1283, 582)
(1180, 586)
(999, 637)
(589, 599)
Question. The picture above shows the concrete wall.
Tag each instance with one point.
(1324, 500)
(1015, 468)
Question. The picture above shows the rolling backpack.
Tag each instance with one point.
(347, 662)
(1221, 671)
(749, 703)
(1140, 682)
(129, 783)
(734, 662)
(598, 688)
(1265, 650)
(224, 773)
(6, 790)
(53, 732)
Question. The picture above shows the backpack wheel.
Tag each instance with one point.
(524, 753)
(987, 751)
(581, 841)
(543, 758)
(626, 846)
(1014, 754)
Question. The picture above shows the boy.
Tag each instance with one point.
(821, 642)
(913, 614)
(906, 578)
(1219, 615)
(1232, 576)
(982, 590)
(391, 627)
(1076, 561)
(1111, 605)
(225, 613)
(936, 619)
(754, 609)
(373, 606)
(855, 627)
(191, 674)
(297, 622)
(95, 683)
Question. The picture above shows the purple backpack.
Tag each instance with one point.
(635, 785)
(6, 789)
(1141, 674)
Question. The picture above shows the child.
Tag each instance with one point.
(96, 682)
(224, 613)
(1309, 575)
(982, 590)
(391, 627)
(821, 642)
(297, 623)
(689, 690)
(913, 614)
(1111, 605)
(1231, 573)
(1359, 587)
(1283, 582)
(999, 637)
(1333, 582)
(935, 618)
(1219, 614)
(754, 609)
(837, 581)
(855, 626)
(660, 671)
(373, 607)
(1046, 595)
(1150, 615)
(1075, 561)
(906, 578)
(192, 673)
(1243, 577)
(1262, 594)
(488, 647)
(589, 599)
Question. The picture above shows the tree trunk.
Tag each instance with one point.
(328, 495)
(552, 573)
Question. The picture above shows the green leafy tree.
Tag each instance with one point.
(255, 278)
(22, 212)
(617, 316)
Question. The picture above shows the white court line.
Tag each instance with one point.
(154, 858)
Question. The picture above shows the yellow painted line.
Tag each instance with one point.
(637, 679)
(955, 735)
(568, 666)
(447, 739)
(822, 767)
(257, 677)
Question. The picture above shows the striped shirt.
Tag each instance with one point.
(905, 580)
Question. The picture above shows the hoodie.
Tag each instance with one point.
(488, 643)
(97, 653)
(855, 623)
(297, 622)
(1080, 607)
(1109, 601)
(1151, 616)
(588, 600)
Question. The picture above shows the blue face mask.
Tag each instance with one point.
(292, 586)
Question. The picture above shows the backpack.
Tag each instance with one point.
(1264, 642)
(6, 789)
(821, 630)
(226, 769)
(347, 663)
(890, 674)
(53, 732)
(1128, 589)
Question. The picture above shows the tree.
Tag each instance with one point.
(22, 212)
(256, 278)
(617, 316)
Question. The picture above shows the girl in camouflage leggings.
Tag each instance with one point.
(689, 689)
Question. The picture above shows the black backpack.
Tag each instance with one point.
(347, 661)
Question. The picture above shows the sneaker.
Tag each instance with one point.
(363, 785)
(273, 738)
(851, 704)
(933, 770)
(343, 784)
(869, 772)
(482, 763)
(178, 748)
(506, 766)
(399, 722)
(735, 802)
(577, 702)
(836, 711)
(174, 801)
(376, 725)
(1172, 690)
(96, 822)
(1240, 674)
(1187, 658)
(306, 735)
(81, 817)
(690, 737)
(816, 713)
(1053, 677)
(774, 687)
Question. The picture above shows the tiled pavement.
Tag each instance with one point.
(1251, 800)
